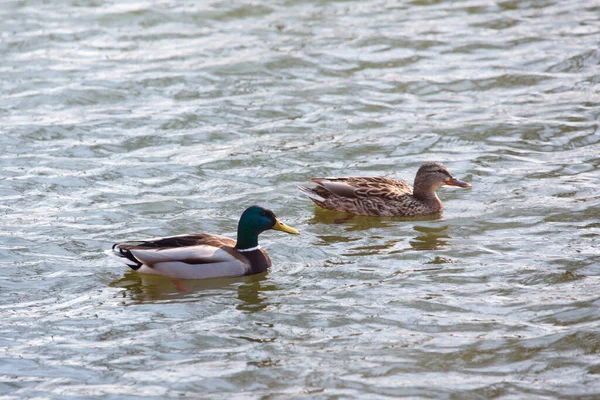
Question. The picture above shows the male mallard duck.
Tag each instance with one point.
(378, 196)
(202, 255)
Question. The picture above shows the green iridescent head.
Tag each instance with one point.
(254, 221)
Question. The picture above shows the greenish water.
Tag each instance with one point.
(125, 120)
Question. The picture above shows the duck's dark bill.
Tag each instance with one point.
(456, 182)
(280, 226)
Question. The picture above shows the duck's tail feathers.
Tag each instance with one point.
(124, 256)
(310, 193)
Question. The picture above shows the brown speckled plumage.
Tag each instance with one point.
(378, 196)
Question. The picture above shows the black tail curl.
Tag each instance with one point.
(127, 254)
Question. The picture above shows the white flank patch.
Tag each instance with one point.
(202, 252)
(181, 270)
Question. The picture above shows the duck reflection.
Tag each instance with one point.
(430, 238)
(252, 294)
(357, 222)
(149, 288)
(351, 222)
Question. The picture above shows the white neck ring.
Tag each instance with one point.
(249, 249)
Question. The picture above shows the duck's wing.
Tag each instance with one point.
(363, 187)
(175, 242)
(195, 256)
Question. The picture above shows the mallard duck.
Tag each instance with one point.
(202, 255)
(378, 196)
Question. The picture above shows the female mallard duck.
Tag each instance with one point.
(378, 196)
(202, 255)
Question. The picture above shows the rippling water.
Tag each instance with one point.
(126, 120)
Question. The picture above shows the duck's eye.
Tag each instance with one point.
(263, 213)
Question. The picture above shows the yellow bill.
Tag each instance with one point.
(280, 226)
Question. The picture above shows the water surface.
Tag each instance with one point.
(125, 120)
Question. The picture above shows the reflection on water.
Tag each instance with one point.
(430, 238)
(141, 119)
(349, 221)
(143, 288)
(427, 238)
(359, 222)
(150, 288)
(251, 293)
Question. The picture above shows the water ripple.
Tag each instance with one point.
(145, 119)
